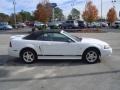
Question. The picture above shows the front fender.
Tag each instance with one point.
(92, 46)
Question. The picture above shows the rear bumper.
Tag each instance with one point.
(13, 53)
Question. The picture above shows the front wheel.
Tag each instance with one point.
(28, 56)
(91, 56)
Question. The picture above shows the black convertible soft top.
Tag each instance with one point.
(35, 34)
(47, 31)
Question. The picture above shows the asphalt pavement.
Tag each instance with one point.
(60, 75)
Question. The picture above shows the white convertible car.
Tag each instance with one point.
(57, 44)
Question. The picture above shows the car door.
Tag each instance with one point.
(57, 44)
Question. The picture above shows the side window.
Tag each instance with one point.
(60, 37)
(54, 37)
(44, 37)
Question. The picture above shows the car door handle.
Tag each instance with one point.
(40, 48)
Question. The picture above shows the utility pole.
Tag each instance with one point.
(14, 3)
(72, 5)
(113, 2)
(53, 13)
(101, 10)
(53, 5)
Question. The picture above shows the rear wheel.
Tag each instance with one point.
(28, 56)
(91, 56)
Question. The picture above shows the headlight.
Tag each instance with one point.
(106, 46)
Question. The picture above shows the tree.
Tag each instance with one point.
(43, 12)
(69, 17)
(18, 18)
(26, 16)
(4, 17)
(111, 15)
(75, 13)
(21, 17)
(58, 14)
(91, 13)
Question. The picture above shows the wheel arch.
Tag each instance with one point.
(27, 48)
(92, 48)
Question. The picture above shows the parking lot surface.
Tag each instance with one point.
(61, 75)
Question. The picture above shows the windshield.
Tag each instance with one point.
(72, 36)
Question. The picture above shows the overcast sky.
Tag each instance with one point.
(6, 6)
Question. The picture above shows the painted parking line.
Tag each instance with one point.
(43, 74)
(25, 69)
(48, 72)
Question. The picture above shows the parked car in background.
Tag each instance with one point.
(39, 25)
(116, 24)
(81, 24)
(3, 23)
(20, 25)
(29, 23)
(6, 27)
(94, 25)
(70, 24)
(104, 24)
(55, 24)
(73, 24)
(89, 25)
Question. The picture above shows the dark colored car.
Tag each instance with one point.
(116, 24)
(81, 24)
(73, 24)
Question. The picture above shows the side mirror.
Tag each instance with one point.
(69, 41)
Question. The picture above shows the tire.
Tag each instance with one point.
(91, 56)
(28, 56)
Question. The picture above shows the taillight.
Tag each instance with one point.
(10, 45)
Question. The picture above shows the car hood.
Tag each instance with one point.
(8, 26)
(93, 41)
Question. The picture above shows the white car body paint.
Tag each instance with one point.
(57, 50)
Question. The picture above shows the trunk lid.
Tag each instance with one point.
(17, 36)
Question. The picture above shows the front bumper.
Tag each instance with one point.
(106, 52)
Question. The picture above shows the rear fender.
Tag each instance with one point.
(36, 49)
